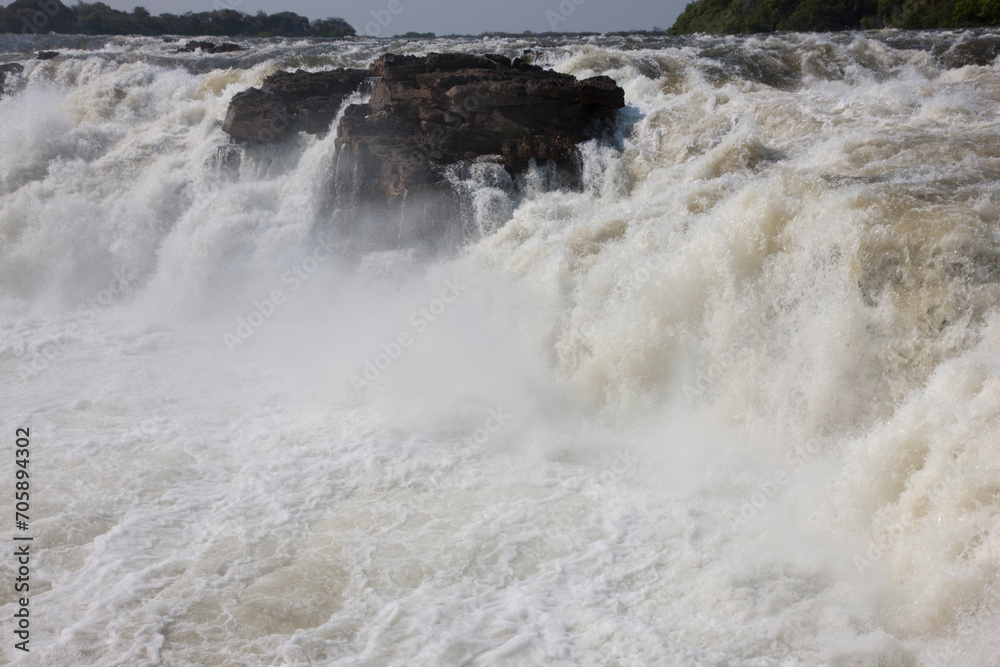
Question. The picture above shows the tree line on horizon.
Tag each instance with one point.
(755, 16)
(97, 18)
(706, 16)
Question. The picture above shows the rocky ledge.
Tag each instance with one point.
(429, 112)
(210, 47)
(290, 102)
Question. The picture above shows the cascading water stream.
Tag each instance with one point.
(736, 400)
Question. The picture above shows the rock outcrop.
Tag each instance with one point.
(426, 114)
(8, 68)
(429, 112)
(210, 47)
(289, 102)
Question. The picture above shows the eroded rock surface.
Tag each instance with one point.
(426, 114)
(289, 102)
(429, 112)
(210, 47)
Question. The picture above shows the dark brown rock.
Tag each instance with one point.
(210, 47)
(431, 111)
(256, 116)
(47, 55)
(8, 68)
(425, 114)
(289, 102)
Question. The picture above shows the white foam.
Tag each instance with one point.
(734, 403)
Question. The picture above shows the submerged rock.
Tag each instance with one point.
(210, 47)
(289, 102)
(8, 68)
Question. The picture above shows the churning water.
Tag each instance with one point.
(737, 402)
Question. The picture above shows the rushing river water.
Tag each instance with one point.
(737, 402)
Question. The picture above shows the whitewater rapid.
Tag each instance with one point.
(737, 402)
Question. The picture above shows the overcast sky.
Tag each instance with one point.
(449, 16)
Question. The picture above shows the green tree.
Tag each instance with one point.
(749, 16)
(95, 18)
